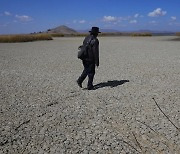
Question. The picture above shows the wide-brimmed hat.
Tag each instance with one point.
(94, 30)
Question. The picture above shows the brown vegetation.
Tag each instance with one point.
(24, 38)
(141, 34)
(85, 34)
(111, 34)
(68, 35)
(178, 34)
(57, 35)
(177, 38)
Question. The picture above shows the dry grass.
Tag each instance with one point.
(178, 37)
(111, 34)
(141, 34)
(24, 38)
(68, 35)
(103, 34)
(178, 34)
(56, 35)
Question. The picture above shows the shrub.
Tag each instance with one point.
(24, 38)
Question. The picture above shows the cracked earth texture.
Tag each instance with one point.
(42, 110)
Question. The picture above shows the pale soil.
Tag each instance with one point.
(42, 110)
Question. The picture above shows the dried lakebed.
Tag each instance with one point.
(134, 109)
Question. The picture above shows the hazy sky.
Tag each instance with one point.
(24, 16)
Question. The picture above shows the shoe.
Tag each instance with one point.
(79, 84)
(91, 88)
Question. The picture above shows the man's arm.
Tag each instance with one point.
(96, 52)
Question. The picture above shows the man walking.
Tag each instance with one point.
(92, 60)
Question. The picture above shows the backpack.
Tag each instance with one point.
(83, 49)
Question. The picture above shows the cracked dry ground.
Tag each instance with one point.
(44, 111)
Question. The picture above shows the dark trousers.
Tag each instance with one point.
(89, 70)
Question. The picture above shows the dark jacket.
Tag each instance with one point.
(93, 52)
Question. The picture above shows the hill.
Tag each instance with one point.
(62, 30)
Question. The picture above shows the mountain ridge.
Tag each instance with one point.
(63, 29)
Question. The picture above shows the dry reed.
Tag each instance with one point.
(141, 34)
(24, 38)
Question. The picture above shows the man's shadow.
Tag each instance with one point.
(111, 84)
